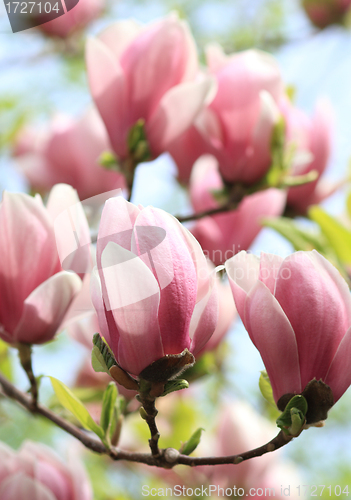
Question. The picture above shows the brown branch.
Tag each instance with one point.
(166, 458)
(214, 211)
(150, 418)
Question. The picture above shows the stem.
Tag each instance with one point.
(150, 418)
(166, 458)
(25, 356)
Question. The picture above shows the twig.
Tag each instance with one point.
(150, 418)
(167, 458)
(25, 356)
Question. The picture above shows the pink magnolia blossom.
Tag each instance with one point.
(35, 472)
(310, 138)
(74, 20)
(146, 72)
(226, 316)
(67, 152)
(153, 292)
(297, 312)
(323, 13)
(223, 235)
(236, 127)
(35, 292)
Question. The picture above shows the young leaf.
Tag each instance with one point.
(193, 442)
(266, 388)
(293, 417)
(69, 401)
(108, 404)
(97, 361)
(338, 236)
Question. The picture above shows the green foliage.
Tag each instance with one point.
(69, 401)
(192, 443)
(266, 388)
(5, 360)
(338, 237)
(293, 417)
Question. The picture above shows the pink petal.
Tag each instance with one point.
(107, 326)
(133, 296)
(205, 318)
(176, 112)
(243, 272)
(272, 334)
(28, 253)
(107, 85)
(153, 63)
(45, 307)
(269, 269)
(338, 376)
(119, 35)
(71, 229)
(308, 278)
(173, 266)
(20, 486)
(205, 178)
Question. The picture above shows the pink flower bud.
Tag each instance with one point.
(323, 13)
(223, 235)
(74, 20)
(310, 139)
(35, 292)
(35, 472)
(147, 73)
(236, 127)
(297, 312)
(67, 152)
(153, 292)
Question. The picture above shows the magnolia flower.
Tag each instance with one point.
(149, 73)
(68, 151)
(35, 292)
(310, 139)
(35, 472)
(236, 127)
(77, 18)
(297, 312)
(152, 291)
(223, 235)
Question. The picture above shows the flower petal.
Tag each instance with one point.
(108, 88)
(173, 266)
(272, 334)
(28, 253)
(45, 307)
(339, 373)
(133, 296)
(177, 110)
(21, 486)
(320, 327)
(243, 272)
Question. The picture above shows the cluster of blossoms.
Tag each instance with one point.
(155, 297)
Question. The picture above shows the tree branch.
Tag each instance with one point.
(166, 458)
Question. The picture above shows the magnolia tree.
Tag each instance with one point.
(150, 295)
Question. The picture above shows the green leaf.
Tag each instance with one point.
(293, 417)
(69, 401)
(175, 385)
(108, 404)
(337, 235)
(97, 361)
(109, 161)
(300, 238)
(193, 442)
(266, 388)
(5, 360)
